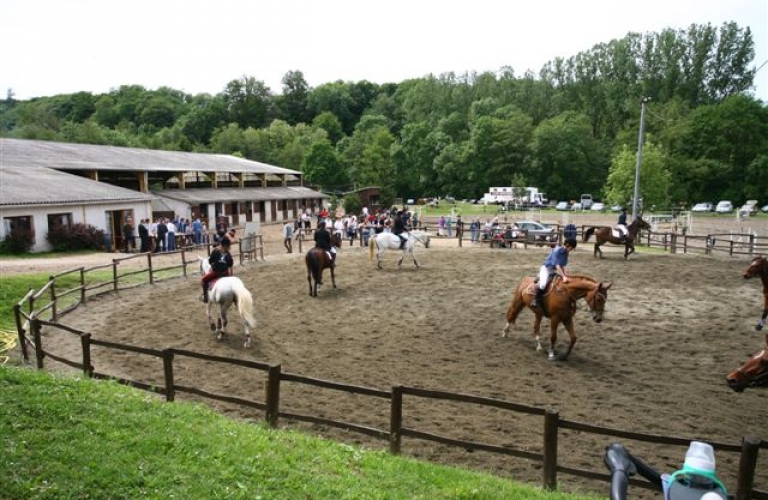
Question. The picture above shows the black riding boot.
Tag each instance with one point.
(538, 298)
(205, 293)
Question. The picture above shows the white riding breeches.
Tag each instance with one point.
(544, 273)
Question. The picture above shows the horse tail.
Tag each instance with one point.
(517, 303)
(244, 303)
(588, 233)
(370, 247)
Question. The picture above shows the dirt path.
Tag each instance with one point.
(676, 325)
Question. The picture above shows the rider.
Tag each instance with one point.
(621, 225)
(221, 265)
(399, 228)
(323, 240)
(554, 264)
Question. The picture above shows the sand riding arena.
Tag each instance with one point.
(675, 326)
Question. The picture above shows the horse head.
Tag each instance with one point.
(596, 299)
(757, 268)
(639, 223)
(753, 373)
(336, 240)
(203, 265)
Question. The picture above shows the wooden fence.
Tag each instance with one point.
(52, 302)
(271, 405)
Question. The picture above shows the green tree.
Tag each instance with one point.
(323, 166)
(654, 177)
(293, 101)
(249, 102)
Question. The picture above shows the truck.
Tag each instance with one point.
(515, 196)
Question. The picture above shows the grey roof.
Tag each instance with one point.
(70, 156)
(208, 195)
(44, 186)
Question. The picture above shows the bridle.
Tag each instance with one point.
(593, 303)
(423, 242)
(758, 380)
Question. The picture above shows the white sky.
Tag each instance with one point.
(50, 47)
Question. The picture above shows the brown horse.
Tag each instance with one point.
(317, 260)
(753, 373)
(609, 235)
(759, 267)
(559, 305)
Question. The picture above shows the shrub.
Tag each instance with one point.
(19, 240)
(75, 237)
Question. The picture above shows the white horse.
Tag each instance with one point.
(389, 241)
(224, 292)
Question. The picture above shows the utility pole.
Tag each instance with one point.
(636, 196)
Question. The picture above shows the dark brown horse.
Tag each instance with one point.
(753, 373)
(559, 305)
(609, 235)
(759, 267)
(317, 260)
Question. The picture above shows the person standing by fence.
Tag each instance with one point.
(288, 236)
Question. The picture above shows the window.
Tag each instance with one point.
(59, 220)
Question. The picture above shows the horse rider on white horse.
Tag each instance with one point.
(621, 225)
(399, 228)
(221, 265)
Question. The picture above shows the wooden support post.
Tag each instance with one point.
(747, 463)
(170, 388)
(273, 395)
(85, 342)
(38, 343)
(22, 333)
(396, 420)
(549, 470)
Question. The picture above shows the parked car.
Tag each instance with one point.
(537, 230)
(616, 208)
(586, 201)
(724, 207)
(749, 208)
(577, 206)
(598, 207)
(705, 206)
(764, 209)
(563, 205)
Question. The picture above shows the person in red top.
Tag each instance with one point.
(221, 265)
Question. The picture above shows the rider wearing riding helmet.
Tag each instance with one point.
(221, 265)
(554, 264)
(399, 228)
(323, 240)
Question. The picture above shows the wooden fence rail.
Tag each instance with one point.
(271, 406)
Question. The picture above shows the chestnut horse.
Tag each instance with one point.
(753, 373)
(317, 260)
(759, 267)
(559, 305)
(610, 235)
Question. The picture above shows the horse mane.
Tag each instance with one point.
(583, 276)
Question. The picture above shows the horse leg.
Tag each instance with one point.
(413, 256)
(628, 249)
(553, 324)
(598, 252)
(572, 333)
(400, 260)
(333, 276)
(379, 251)
(537, 330)
(247, 342)
(309, 280)
(222, 330)
(209, 318)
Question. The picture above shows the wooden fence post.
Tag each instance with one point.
(184, 262)
(21, 332)
(85, 342)
(82, 285)
(38, 343)
(273, 395)
(751, 244)
(747, 464)
(396, 420)
(170, 388)
(54, 314)
(551, 419)
(673, 244)
(149, 265)
(114, 274)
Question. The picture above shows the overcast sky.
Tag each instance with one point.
(50, 47)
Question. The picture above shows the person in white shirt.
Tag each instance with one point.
(171, 236)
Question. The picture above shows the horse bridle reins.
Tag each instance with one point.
(410, 233)
(758, 380)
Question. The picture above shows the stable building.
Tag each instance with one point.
(136, 183)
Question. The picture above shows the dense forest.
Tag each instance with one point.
(572, 128)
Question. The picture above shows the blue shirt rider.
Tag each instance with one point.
(554, 264)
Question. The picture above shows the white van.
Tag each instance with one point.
(586, 201)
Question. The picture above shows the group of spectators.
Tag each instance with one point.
(162, 234)
(351, 226)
